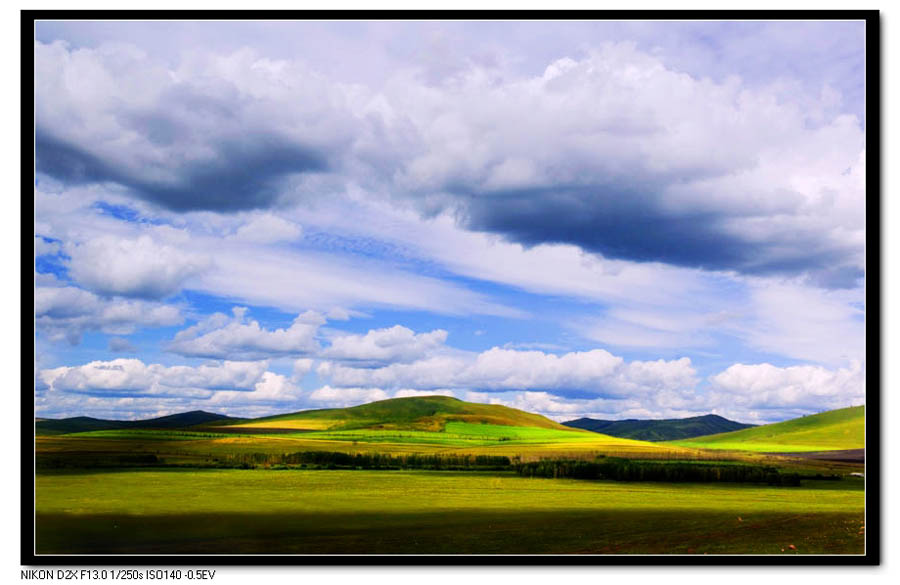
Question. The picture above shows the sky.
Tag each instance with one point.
(604, 219)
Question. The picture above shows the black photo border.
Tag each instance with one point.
(874, 332)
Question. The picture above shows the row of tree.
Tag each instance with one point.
(613, 468)
(334, 460)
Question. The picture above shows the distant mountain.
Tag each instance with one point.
(79, 424)
(661, 429)
(181, 420)
(841, 429)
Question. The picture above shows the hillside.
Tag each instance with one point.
(425, 413)
(661, 429)
(832, 430)
(80, 424)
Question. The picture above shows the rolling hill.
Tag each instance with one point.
(422, 413)
(659, 430)
(421, 424)
(80, 424)
(833, 430)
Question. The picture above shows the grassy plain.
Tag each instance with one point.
(456, 438)
(323, 512)
(833, 430)
(135, 490)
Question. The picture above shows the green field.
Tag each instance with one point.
(461, 434)
(404, 476)
(324, 512)
(833, 430)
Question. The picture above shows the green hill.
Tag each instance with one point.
(80, 424)
(659, 430)
(826, 431)
(424, 413)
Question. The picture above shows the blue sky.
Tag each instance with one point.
(618, 220)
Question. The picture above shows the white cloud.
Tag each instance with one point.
(68, 312)
(338, 314)
(343, 397)
(306, 279)
(241, 338)
(321, 280)
(271, 388)
(561, 409)
(137, 267)
(763, 392)
(267, 229)
(595, 372)
(132, 376)
(778, 179)
(821, 326)
(392, 344)
(42, 246)
(614, 135)
(214, 132)
(131, 389)
(302, 367)
(617, 136)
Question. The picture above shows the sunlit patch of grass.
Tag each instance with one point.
(833, 430)
(234, 511)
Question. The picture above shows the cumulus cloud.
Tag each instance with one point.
(138, 267)
(614, 151)
(592, 373)
(239, 337)
(132, 389)
(343, 397)
(302, 367)
(132, 376)
(687, 210)
(215, 133)
(380, 346)
(766, 392)
(624, 157)
(271, 388)
(67, 312)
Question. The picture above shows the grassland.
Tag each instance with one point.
(175, 490)
(455, 437)
(833, 430)
(324, 512)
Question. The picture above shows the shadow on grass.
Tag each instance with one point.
(462, 532)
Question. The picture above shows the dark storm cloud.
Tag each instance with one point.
(245, 174)
(631, 226)
(188, 139)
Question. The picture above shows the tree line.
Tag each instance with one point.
(336, 460)
(618, 469)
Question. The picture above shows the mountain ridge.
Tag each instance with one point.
(659, 429)
(77, 424)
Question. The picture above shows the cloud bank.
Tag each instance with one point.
(614, 152)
